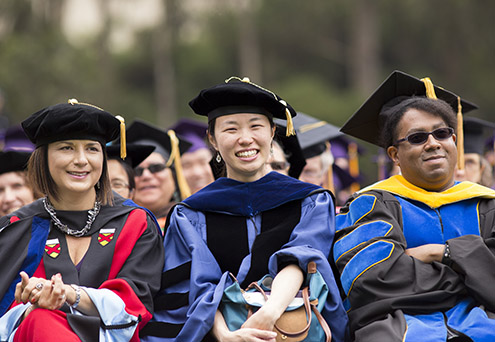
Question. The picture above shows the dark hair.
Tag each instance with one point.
(394, 114)
(219, 169)
(42, 182)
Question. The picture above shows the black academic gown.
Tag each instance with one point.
(125, 256)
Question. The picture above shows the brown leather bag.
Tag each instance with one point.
(293, 326)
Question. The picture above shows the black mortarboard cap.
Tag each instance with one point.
(135, 153)
(366, 121)
(168, 144)
(313, 134)
(73, 120)
(473, 134)
(237, 95)
(143, 133)
(11, 161)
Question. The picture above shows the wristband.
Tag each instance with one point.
(78, 296)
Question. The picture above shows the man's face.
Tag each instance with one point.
(313, 171)
(473, 167)
(196, 169)
(429, 165)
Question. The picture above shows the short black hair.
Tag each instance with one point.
(394, 114)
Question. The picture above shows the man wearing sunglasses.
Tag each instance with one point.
(416, 252)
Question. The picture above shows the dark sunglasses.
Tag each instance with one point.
(421, 137)
(279, 166)
(153, 168)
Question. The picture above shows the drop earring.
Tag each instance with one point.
(218, 158)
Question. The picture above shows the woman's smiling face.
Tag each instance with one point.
(75, 166)
(244, 141)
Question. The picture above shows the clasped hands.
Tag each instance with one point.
(43, 293)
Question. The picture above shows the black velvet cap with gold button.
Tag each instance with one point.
(237, 95)
(367, 121)
(73, 120)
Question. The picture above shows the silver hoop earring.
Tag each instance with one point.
(218, 158)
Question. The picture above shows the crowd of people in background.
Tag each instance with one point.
(118, 231)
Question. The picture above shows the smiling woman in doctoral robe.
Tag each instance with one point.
(252, 214)
(77, 264)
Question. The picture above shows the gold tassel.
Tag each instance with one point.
(460, 136)
(290, 125)
(175, 159)
(353, 165)
(430, 89)
(123, 148)
(330, 185)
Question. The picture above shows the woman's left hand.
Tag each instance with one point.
(43, 293)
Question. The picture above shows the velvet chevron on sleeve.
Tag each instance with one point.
(229, 227)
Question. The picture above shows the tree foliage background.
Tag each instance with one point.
(325, 57)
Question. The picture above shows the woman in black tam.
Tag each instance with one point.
(77, 264)
(249, 223)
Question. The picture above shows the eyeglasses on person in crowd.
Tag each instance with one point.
(119, 185)
(153, 168)
(279, 165)
(419, 138)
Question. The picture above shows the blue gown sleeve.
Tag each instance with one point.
(191, 276)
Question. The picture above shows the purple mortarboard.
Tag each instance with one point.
(340, 147)
(193, 131)
(342, 178)
(16, 151)
(17, 140)
(490, 143)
